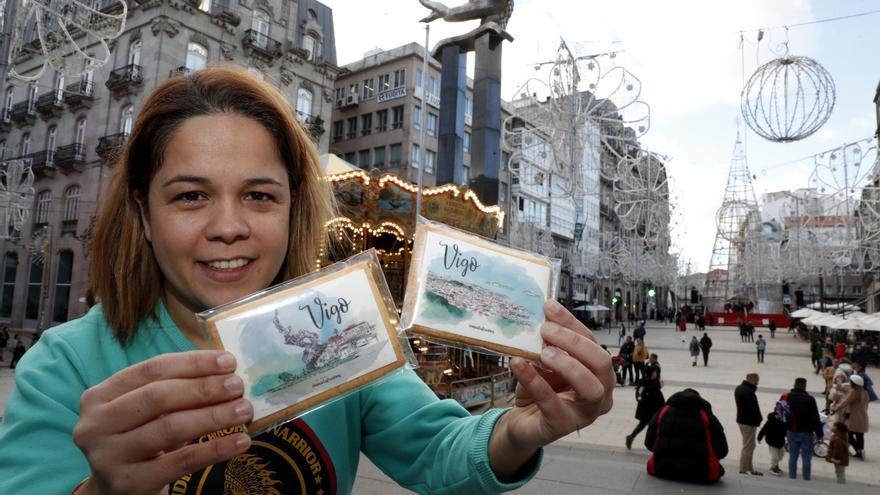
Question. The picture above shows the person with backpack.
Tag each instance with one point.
(686, 440)
(705, 346)
(649, 399)
(694, 348)
(748, 417)
(859, 369)
(774, 431)
(803, 428)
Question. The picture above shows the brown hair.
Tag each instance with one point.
(124, 274)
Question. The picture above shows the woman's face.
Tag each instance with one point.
(217, 213)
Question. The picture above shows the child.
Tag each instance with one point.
(838, 451)
(774, 431)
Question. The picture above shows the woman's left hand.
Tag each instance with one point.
(575, 391)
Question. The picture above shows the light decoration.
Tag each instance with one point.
(16, 196)
(641, 195)
(70, 36)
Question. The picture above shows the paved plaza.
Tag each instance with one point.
(595, 460)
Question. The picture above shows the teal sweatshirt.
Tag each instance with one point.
(425, 444)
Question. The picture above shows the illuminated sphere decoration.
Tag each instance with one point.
(788, 98)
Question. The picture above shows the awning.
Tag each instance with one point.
(822, 320)
(803, 313)
(870, 323)
(838, 306)
(592, 307)
(334, 165)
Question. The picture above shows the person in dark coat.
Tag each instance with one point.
(17, 353)
(748, 417)
(772, 327)
(650, 400)
(687, 440)
(804, 427)
(626, 352)
(774, 431)
(705, 346)
(639, 332)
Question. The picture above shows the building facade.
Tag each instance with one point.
(70, 129)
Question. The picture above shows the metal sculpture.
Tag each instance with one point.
(641, 196)
(788, 99)
(68, 35)
(497, 11)
(16, 196)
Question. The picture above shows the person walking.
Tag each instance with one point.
(742, 330)
(748, 417)
(838, 451)
(804, 427)
(4, 339)
(859, 369)
(774, 432)
(649, 400)
(621, 334)
(694, 349)
(639, 357)
(626, 353)
(705, 346)
(855, 414)
(17, 353)
(640, 332)
(816, 354)
(761, 345)
(653, 365)
(682, 327)
(772, 327)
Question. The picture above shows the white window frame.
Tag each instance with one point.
(80, 136)
(134, 52)
(304, 100)
(196, 56)
(44, 203)
(126, 119)
(71, 203)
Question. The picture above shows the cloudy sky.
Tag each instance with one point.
(688, 57)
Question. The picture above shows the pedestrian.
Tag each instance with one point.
(217, 194)
(639, 358)
(621, 335)
(687, 440)
(855, 414)
(804, 428)
(639, 332)
(772, 327)
(860, 354)
(761, 345)
(774, 432)
(838, 451)
(694, 347)
(649, 400)
(748, 417)
(750, 332)
(653, 365)
(859, 369)
(4, 339)
(840, 350)
(682, 328)
(742, 330)
(705, 346)
(626, 353)
(816, 353)
(17, 353)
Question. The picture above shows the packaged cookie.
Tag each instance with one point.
(470, 292)
(311, 340)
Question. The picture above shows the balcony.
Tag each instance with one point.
(258, 44)
(111, 145)
(50, 104)
(5, 119)
(24, 112)
(180, 71)
(42, 163)
(125, 80)
(225, 14)
(79, 95)
(110, 6)
(71, 157)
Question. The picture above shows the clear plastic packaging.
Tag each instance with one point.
(468, 292)
(311, 340)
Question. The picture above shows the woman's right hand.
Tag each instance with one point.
(135, 427)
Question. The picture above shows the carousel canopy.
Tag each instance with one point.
(803, 313)
(334, 165)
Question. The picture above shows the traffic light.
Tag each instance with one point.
(652, 293)
(615, 300)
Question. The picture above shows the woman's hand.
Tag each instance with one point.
(135, 427)
(549, 405)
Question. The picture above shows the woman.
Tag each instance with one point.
(217, 195)
(639, 356)
(650, 400)
(854, 409)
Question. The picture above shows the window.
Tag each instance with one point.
(354, 90)
(430, 160)
(50, 143)
(337, 130)
(59, 87)
(399, 78)
(35, 282)
(24, 147)
(366, 124)
(310, 45)
(350, 157)
(8, 104)
(434, 86)
(394, 154)
(304, 105)
(340, 96)
(418, 78)
(125, 119)
(466, 175)
(415, 155)
(2, 149)
(134, 53)
(260, 24)
(369, 89)
(432, 124)
(44, 202)
(381, 120)
(80, 137)
(384, 83)
(62, 286)
(205, 5)
(196, 56)
(32, 97)
(10, 267)
(352, 127)
(71, 203)
(363, 158)
(503, 193)
(397, 117)
(467, 142)
(417, 117)
(379, 156)
(468, 109)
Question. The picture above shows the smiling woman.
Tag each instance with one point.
(216, 196)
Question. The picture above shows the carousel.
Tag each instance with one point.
(378, 210)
